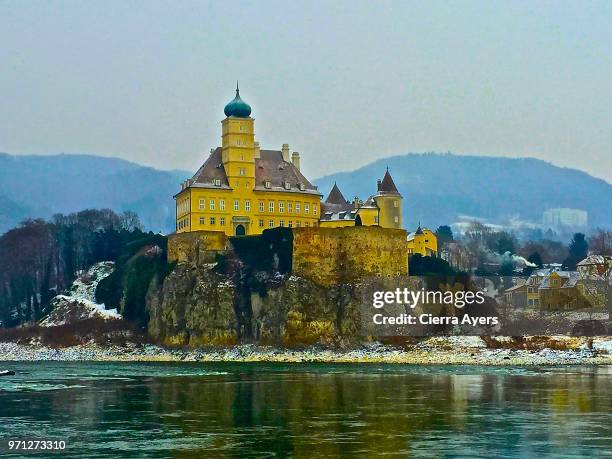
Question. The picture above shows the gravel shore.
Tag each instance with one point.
(432, 351)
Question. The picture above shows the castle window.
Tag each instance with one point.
(202, 220)
(236, 204)
(395, 203)
(211, 204)
(261, 223)
(271, 223)
(376, 219)
(289, 207)
(287, 186)
(212, 220)
(297, 207)
(202, 203)
(217, 182)
(314, 209)
(247, 205)
(222, 204)
(222, 221)
(281, 206)
(238, 142)
(271, 206)
(298, 224)
(281, 223)
(290, 224)
(268, 184)
(306, 208)
(242, 171)
(261, 206)
(396, 219)
(307, 224)
(301, 187)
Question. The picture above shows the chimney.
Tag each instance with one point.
(295, 159)
(356, 203)
(285, 150)
(378, 184)
(257, 150)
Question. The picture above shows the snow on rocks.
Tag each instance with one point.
(85, 285)
(78, 303)
(250, 353)
(603, 344)
(67, 309)
(453, 342)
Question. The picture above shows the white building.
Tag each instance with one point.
(564, 219)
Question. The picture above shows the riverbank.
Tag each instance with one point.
(451, 350)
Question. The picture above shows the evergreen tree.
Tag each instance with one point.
(504, 243)
(444, 233)
(578, 250)
(536, 259)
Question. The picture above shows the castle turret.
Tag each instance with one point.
(389, 200)
(238, 142)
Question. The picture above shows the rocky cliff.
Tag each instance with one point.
(196, 305)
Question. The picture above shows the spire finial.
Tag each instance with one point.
(387, 168)
(237, 89)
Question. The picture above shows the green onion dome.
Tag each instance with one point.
(237, 107)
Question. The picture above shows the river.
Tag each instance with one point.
(307, 410)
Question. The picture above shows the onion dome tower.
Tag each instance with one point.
(237, 107)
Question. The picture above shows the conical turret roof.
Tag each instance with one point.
(387, 185)
(335, 196)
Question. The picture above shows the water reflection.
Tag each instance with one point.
(309, 410)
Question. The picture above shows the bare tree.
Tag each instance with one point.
(601, 242)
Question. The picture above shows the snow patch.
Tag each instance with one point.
(78, 303)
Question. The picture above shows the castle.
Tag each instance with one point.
(243, 190)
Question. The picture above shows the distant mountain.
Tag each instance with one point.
(40, 186)
(438, 188)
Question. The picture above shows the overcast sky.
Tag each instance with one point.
(344, 83)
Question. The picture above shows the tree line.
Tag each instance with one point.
(40, 258)
(490, 251)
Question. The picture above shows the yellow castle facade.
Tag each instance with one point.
(423, 241)
(381, 209)
(243, 190)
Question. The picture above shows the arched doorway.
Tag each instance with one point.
(358, 221)
(240, 230)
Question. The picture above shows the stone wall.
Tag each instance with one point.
(196, 246)
(338, 255)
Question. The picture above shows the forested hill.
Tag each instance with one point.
(40, 186)
(437, 188)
